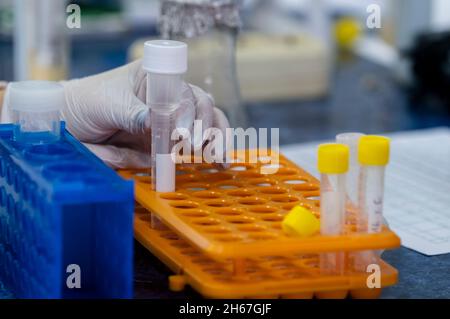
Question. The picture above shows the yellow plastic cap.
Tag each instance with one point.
(373, 150)
(300, 222)
(333, 158)
(346, 31)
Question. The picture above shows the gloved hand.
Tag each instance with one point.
(107, 112)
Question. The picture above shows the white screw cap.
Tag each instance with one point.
(35, 96)
(165, 57)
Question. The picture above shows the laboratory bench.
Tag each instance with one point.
(363, 97)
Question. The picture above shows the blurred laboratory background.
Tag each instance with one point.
(312, 68)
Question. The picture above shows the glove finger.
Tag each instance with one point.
(137, 142)
(204, 114)
(220, 122)
(116, 157)
(185, 114)
(135, 118)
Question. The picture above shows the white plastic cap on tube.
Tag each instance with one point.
(36, 96)
(165, 57)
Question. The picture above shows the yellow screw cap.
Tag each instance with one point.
(373, 150)
(333, 158)
(346, 31)
(300, 222)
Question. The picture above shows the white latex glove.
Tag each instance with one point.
(107, 112)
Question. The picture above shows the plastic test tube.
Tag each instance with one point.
(333, 165)
(352, 179)
(35, 108)
(373, 156)
(165, 63)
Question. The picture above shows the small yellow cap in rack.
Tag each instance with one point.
(333, 158)
(373, 150)
(300, 222)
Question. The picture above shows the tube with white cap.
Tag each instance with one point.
(35, 108)
(352, 178)
(165, 63)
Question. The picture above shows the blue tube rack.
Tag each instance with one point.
(60, 205)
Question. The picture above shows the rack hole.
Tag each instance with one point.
(227, 187)
(252, 201)
(284, 199)
(195, 187)
(228, 211)
(218, 203)
(207, 194)
(273, 190)
(183, 204)
(209, 170)
(207, 222)
(195, 213)
(241, 193)
(273, 218)
(294, 181)
(239, 168)
(240, 220)
(272, 166)
(173, 196)
(142, 174)
(263, 209)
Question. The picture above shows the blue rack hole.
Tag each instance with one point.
(49, 151)
(66, 171)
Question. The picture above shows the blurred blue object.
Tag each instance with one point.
(60, 205)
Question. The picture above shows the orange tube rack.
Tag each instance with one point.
(220, 232)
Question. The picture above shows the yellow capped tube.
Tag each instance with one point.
(333, 162)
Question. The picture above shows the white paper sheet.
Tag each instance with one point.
(417, 189)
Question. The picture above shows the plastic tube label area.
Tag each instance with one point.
(372, 203)
(165, 173)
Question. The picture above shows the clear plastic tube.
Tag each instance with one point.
(35, 108)
(371, 199)
(373, 156)
(163, 95)
(332, 218)
(352, 179)
(370, 218)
